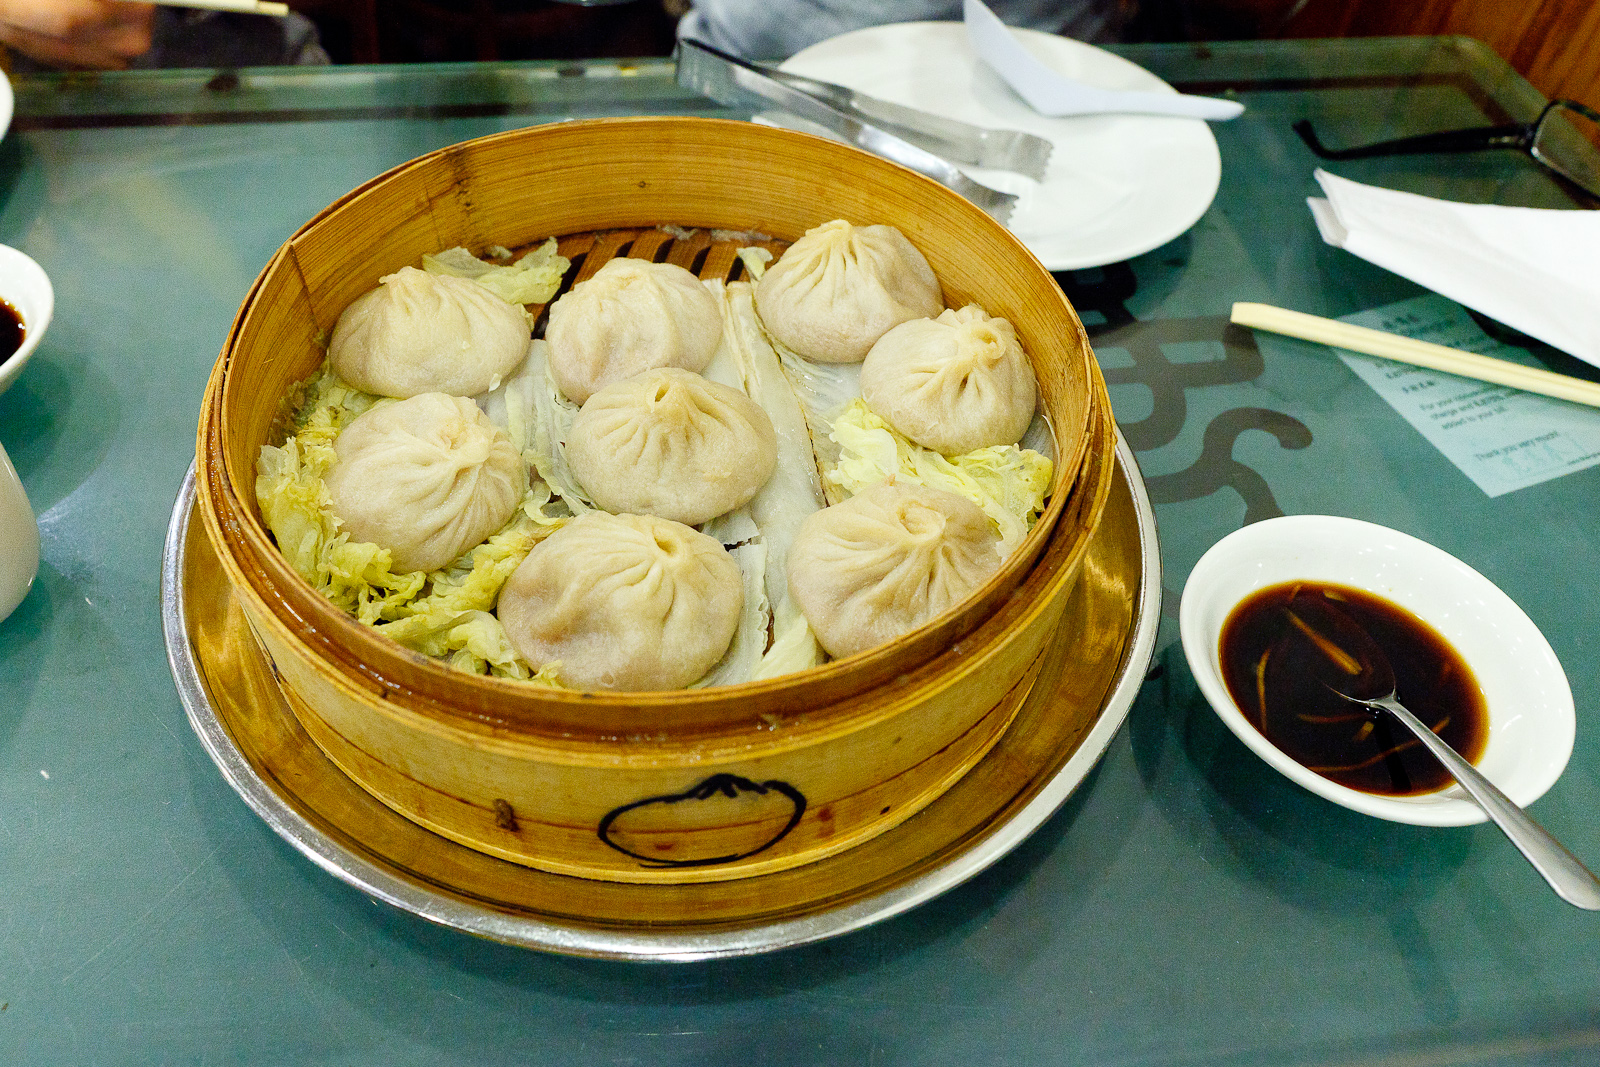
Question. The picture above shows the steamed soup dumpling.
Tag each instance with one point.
(670, 443)
(428, 333)
(841, 287)
(626, 602)
(953, 384)
(886, 561)
(630, 317)
(426, 478)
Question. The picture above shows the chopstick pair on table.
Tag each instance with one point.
(243, 7)
(1418, 353)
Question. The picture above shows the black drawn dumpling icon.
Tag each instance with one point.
(719, 820)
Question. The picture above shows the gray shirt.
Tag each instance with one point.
(777, 29)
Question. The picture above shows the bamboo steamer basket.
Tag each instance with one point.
(668, 787)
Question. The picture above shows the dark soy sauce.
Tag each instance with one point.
(11, 331)
(1278, 676)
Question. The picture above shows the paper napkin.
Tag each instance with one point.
(1534, 269)
(1051, 93)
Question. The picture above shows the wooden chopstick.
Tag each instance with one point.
(1418, 353)
(244, 7)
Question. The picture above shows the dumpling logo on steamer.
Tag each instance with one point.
(722, 819)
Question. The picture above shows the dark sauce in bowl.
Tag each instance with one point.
(11, 331)
(1278, 675)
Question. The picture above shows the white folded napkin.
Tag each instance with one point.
(1050, 93)
(1536, 270)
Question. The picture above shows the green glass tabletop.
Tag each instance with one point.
(1188, 906)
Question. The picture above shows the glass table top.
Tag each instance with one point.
(1187, 906)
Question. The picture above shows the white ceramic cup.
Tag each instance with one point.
(19, 539)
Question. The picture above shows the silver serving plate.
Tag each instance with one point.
(392, 885)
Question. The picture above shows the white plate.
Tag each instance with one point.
(1118, 185)
(1532, 721)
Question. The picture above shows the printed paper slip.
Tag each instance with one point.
(1501, 438)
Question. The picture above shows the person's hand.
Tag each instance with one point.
(98, 34)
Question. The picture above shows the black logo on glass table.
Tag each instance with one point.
(1101, 297)
(715, 821)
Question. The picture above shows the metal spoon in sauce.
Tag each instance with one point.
(1372, 685)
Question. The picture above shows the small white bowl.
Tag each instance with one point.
(26, 287)
(1531, 717)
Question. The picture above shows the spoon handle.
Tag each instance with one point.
(1566, 874)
